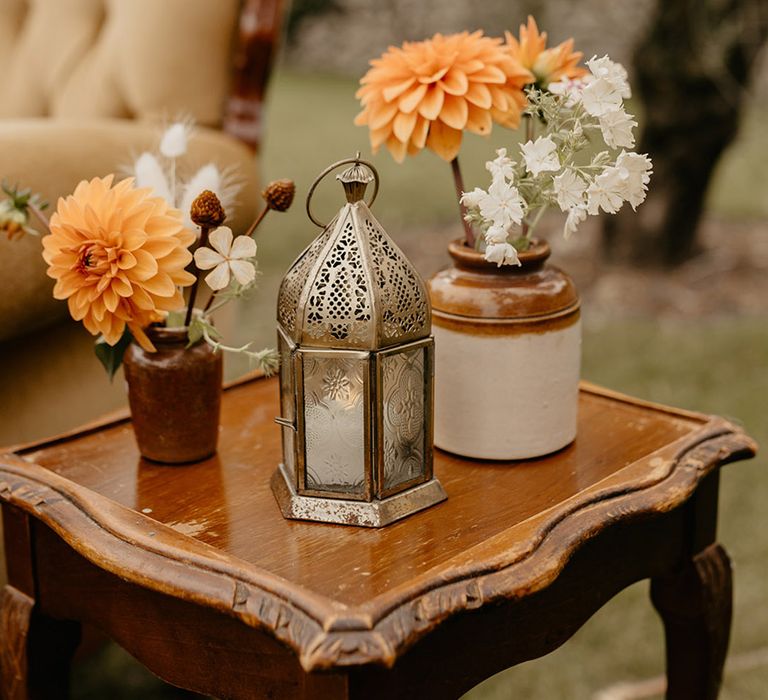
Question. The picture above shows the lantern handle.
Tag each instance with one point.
(357, 161)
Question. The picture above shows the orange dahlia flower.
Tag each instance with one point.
(426, 93)
(547, 65)
(117, 254)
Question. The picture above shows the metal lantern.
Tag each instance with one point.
(356, 374)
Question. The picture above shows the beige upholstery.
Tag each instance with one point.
(89, 83)
(143, 59)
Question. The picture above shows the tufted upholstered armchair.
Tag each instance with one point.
(86, 84)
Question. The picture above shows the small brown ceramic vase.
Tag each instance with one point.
(507, 355)
(175, 397)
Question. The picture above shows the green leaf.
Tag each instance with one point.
(195, 332)
(521, 244)
(111, 356)
(175, 319)
(199, 327)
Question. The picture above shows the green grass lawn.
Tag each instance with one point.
(717, 365)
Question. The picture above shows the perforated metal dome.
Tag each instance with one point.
(353, 288)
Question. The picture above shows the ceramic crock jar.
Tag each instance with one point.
(175, 397)
(507, 355)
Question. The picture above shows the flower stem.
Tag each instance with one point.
(459, 184)
(529, 133)
(529, 127)
(173, 182)
(252, 228)
(210, 307)
(267, 359)
(40, 216)
(209, 303)
(204, 231)
(536, 219)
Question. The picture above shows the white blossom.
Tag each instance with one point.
(570, 88)
(600, 97)
(502, 205)
(636, 162)
(638, 174)
(572, 164)
(496, 234)
(13, 221)
(540, 155)
(502, 254)
(616, 127)
(569, 189)
(501, 166)
(607, 192)
(575, 216)
(227, 258)
(606, 69)
(472, 199)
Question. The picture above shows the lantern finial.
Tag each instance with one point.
(355, 180)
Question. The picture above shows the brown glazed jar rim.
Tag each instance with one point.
(471, 259)
(168, 337)
(473, 288)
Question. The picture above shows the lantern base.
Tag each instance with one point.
(376, 513)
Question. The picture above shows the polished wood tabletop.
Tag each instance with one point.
(339, 596)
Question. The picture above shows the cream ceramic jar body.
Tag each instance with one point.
(507, 357)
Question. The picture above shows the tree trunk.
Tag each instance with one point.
(691, 70)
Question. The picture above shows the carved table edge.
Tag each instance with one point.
(113, 540)
(542, 562)
(325, 634)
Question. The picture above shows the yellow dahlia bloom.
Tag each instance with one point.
(117, 254)
(425, 93)
(547, 65)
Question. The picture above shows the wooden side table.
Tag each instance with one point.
(194, 571)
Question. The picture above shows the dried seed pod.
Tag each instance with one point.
(279, 194)
(206, 210)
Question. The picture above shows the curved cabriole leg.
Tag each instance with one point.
(695, 605)
(35, 651)
(15, 615)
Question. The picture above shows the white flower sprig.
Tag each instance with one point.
(227, 257)
(555, 169)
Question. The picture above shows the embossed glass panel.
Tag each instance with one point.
(287, 400)
(403, 392)
(334, 423)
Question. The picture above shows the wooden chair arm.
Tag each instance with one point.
(255, 43)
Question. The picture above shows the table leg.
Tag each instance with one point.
(35, 651)
(15, 616)
(695, 605)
